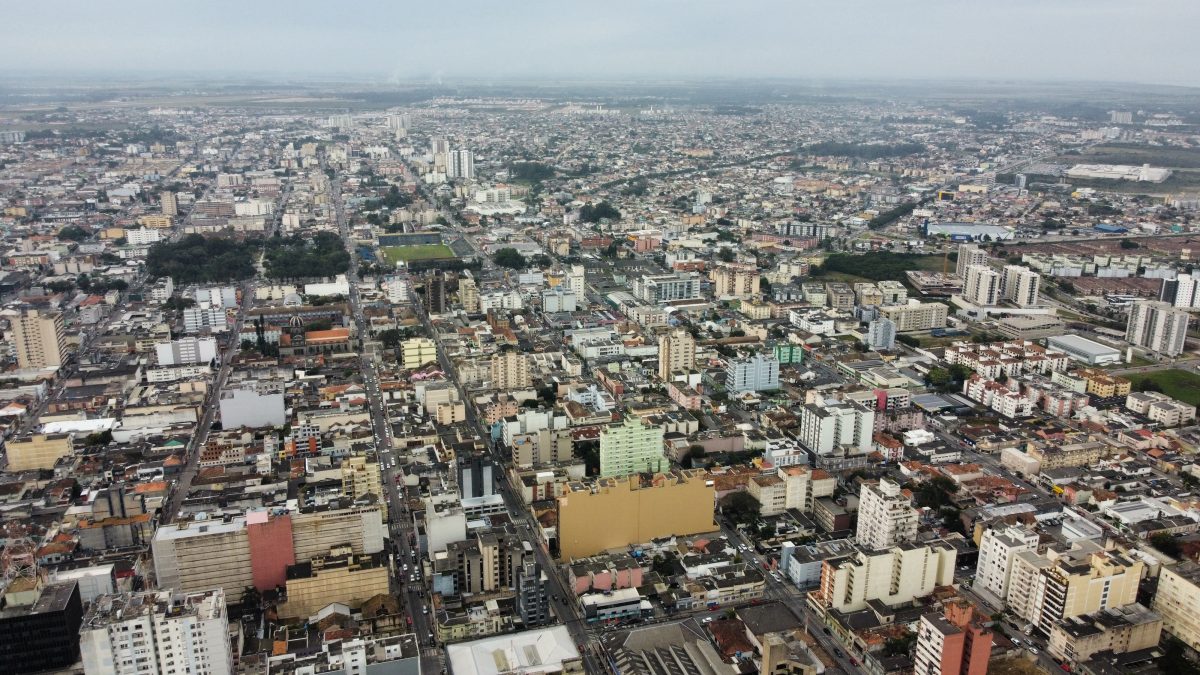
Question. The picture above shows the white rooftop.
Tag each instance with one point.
(534, 651)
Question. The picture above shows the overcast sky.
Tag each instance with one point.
(1151, 41)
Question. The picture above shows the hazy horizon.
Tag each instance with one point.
(869, 40)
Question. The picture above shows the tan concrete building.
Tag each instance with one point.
(676, 351)
(915, 315)
(156, 221)
(361, 478)
(340, 576)
(416, 352)
(468, 295)
(1118, 630)
(735, 281)
(1043, 589)
(39, 451)
(616, 512)
(39, 339)
(510, 370)
(1178, 602)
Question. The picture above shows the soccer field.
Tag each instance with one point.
(394, 254)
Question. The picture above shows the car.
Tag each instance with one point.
(1016, 641)
(424, 609)
(707, 619)
(837, 652)
(1033, 650)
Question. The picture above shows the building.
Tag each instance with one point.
(476, 476)
(38, 451)
(1043, 589)
(256, 549)
(487, 562)
(361, 478)
(416, 352)
(631, 447)
(460, 163)
(341, 576)
(831, 425)
(915, 315)
(1084, 350)
(1158, 327)
(533, 595)
(1118, 630)
(757, 372)
(468, 295)
(39, 338)
(676, 352)
(881, 335)
(1176, 601)
(959, 641)
(169, 204)
(39, 626)
(981, 286)
(249, 407)
(892, 576)
(735, 281)
(545, 651)
(1020, 286)
(969, 255)
(157, 632)
(1160, 408)
(186, 351)
(435, 292)
(885, 516)
(1183, 291)
(664, 288)
(997, 549)
(510, 370)
(613, 513)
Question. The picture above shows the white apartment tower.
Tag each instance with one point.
(969, 255)
(885, 516)
(40, 339)
(156, 632)
(1158, 327)
(1020, 285)
(577, 280)
(676, 351)
(982, 286)
(997, 549)
(826, 427)
(460, 164)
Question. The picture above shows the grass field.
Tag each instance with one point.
(394, 254)
(1178, 384)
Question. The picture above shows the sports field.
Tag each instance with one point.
(1182, 385)
(394, 254)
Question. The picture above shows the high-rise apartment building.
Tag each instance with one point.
(416, 352)
(676, 351)
(757, 372)
(156, 632)
(968, 256)
(435, 292)
(997, 549)
(468, 295)
(169, 203)
(982, 286)
(892, 576)
(577, 280)
(885, 516)
(533, 598)
(186, 351)
(735, 281)
(1157, 326)
(510, 370)
(829, 425)
(40, 339)
(1044, 589)
(914, 315)
(1177, 600)
(1020, 285)
(631, 447)
(667, 287)
(460, 164)
(361, 478)
(956, 642)
(881, 334)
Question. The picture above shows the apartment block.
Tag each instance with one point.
(510, 370)
(997, 549)
(416, 352)
(1044, 589)
(39, 338)
(1158, 327)
(676, 352)
(1117, 630)
(341, 576)
(915, 315)
(892, 576)
(38, 451)
(157, 632)
(631, 447)
(1177, 600)
(885, 516)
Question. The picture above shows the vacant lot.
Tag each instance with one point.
(395, 254)
(1178, 384)
(1128, 153)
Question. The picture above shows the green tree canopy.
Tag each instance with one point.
(509, 257)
